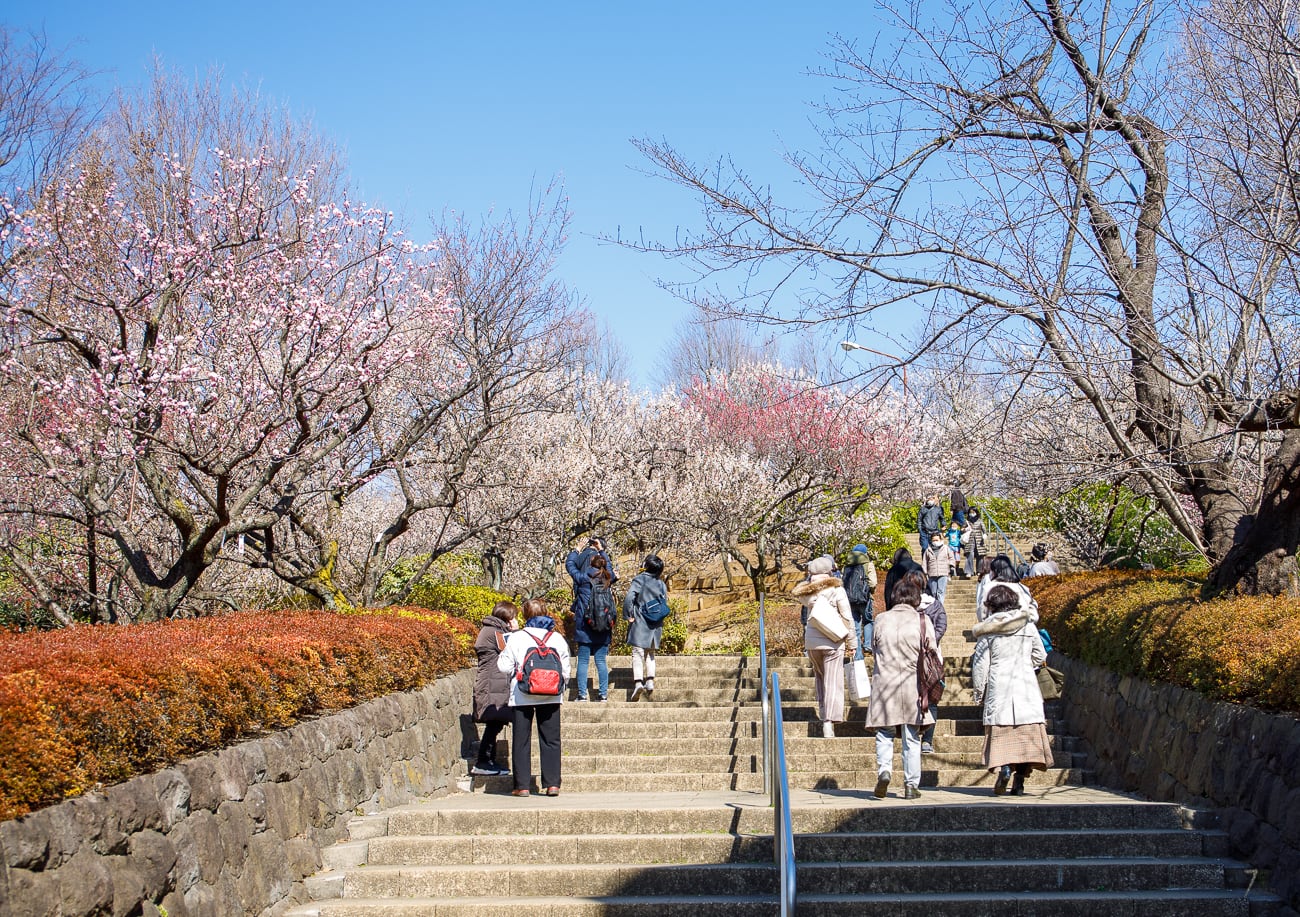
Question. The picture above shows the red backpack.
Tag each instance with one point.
(542, 672)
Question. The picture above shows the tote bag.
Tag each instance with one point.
(826, 618)
(856, 681)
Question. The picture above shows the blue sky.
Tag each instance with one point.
(470, 107)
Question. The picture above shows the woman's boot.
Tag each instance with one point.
(1004, 777)
(1018, 785)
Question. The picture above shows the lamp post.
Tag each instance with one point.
(854, 345)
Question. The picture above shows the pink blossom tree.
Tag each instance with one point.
(781, 461)
(192, 364)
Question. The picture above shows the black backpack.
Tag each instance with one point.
(599, 615)
(541, 672)
(856, 585)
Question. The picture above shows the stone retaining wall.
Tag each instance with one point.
(1170, 744)
(236, 831)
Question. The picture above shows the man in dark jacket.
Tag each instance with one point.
(958, 506)
(859, 580)
(929, 520)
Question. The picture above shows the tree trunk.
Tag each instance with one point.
(1262, 557)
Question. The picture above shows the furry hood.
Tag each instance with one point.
(815, 585)
(1006, 622)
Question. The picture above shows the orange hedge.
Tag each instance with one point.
(89, 705)
(1243, 649)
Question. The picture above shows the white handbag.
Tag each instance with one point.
(857, 683)
(826, 618)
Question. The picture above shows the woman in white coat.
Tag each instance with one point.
(827, 652)
(542, 709)
(1003, 666)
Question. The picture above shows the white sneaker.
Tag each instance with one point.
(828, 729)
(637, 690)
(649, 686)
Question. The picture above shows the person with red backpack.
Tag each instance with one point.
(537, 659)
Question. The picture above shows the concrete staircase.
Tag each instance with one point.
(662, 813)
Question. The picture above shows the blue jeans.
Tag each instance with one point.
(938, 587)
(911, 753)
(602, 668)
(864, 627)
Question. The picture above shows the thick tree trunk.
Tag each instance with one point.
(1262, 557)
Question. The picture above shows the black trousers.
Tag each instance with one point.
(521, 744)
(487, 746)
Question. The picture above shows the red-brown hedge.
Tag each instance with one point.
(90, 705)
(1242, 649)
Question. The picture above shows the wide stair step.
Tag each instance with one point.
(662, 814)
(1099, 854)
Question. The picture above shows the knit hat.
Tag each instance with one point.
(823, 564)
(859, 549)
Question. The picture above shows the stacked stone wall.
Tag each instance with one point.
(236, 831)
(1171, 744)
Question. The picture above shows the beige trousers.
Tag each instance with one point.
(828, 666)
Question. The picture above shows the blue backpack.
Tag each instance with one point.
(655, 610)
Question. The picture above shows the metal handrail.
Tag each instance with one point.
(782, 827)
(984, 514)
(762, 692)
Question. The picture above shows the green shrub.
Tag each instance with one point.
(473, 603)
(1109, 525)
(1017, 514)
(459, 569)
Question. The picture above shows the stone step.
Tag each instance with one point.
(664, 813)
(841, 847)
(751, 781)
(795, 745)
(704, 697)
(1129, 903)
(799, 722)
(1108, 874)
(827, 760)
(1163, 903)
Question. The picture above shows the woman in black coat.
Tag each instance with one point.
(492, 687)
(899, 567)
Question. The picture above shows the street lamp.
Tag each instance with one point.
(854, 345)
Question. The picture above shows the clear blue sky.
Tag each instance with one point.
(467, 107)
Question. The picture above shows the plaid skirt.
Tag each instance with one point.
(1017, 745)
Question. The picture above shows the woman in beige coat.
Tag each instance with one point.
(827, 653)
(894, 694)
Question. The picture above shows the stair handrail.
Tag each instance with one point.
(988, 517)
(782, 827)
(762, 692)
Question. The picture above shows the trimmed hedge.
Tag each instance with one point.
(1241, 649)
(90, 705)
(473, 603)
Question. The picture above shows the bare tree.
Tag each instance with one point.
(1020, 173)
(46, 110)
(705, 348)
(427, 471)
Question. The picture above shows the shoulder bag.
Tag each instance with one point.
(929, 670)
(826, 618)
